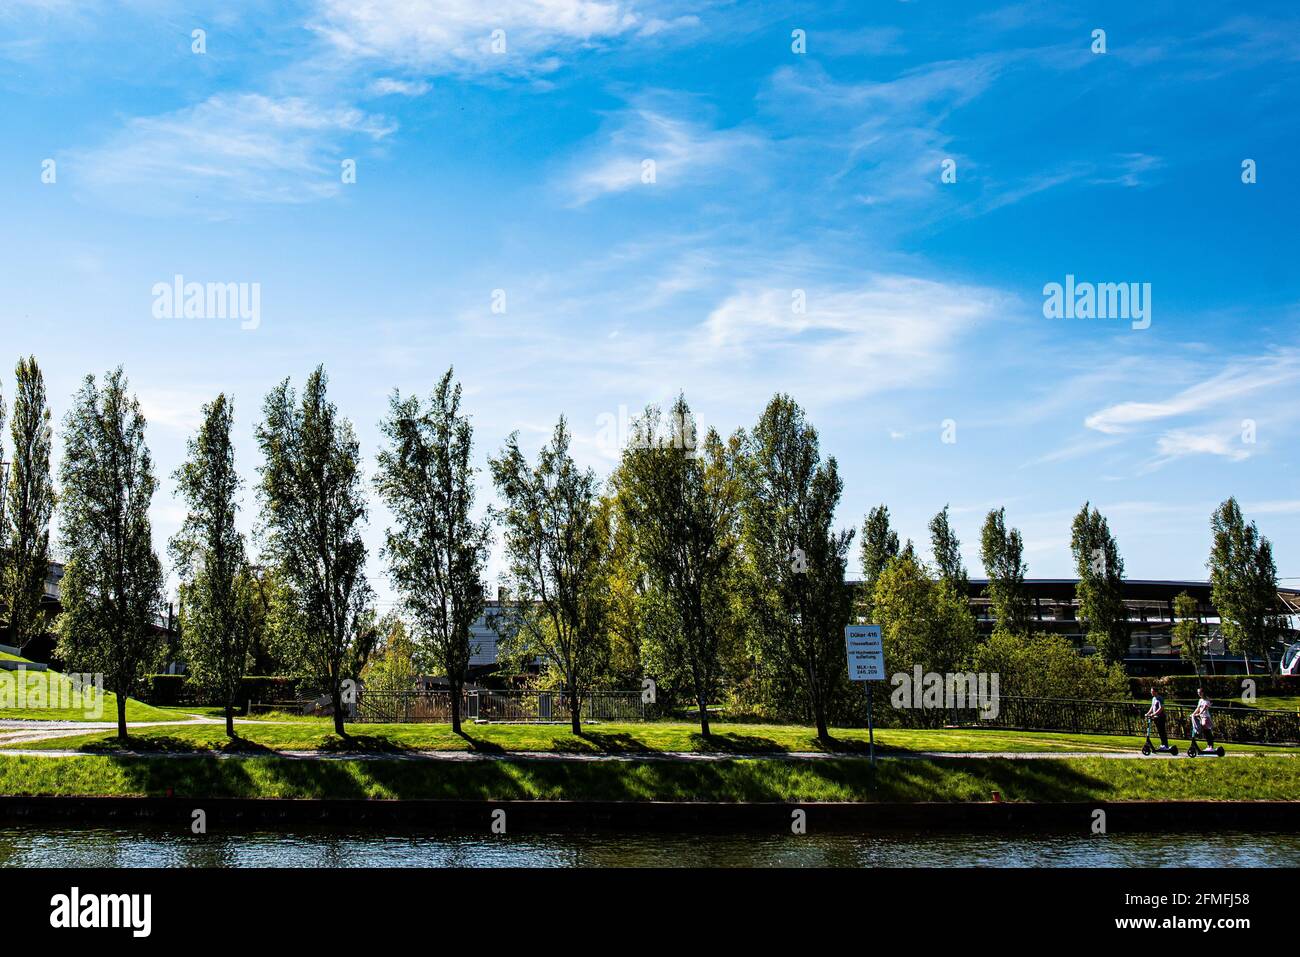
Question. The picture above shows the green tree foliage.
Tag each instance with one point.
(557, 541)
(437, 550)
(796, 556)
(313, 510)
(1002, 552)
(947, 553)
(394, 666)
(923, 621)
(31, 500)
(1189, 634)
(680, 500)
(1100, 590)
(269, 652)
(1243, 582)
(879, 547)
(1048, 666)
(217, 589)
(112, 581)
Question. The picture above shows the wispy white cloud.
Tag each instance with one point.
(226, 150)
(648, 147)
(1240, 379)
(387, 86)
(1182, 442)
(890, 331)
(454, 36)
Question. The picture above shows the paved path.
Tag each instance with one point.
(680, 756)
(14, 732)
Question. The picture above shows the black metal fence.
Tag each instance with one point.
(400, 707)
(519, 707)
(1246, 725)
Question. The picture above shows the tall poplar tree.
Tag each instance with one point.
(437, 551)
(217, 599)
(681, 504)
(1243, 582)
(879, 547)
(313, 511)
(1002, 551)
(112, 581)
(557, 549)
(31, 499)
(797, 557)
(1100, 590)
(947, 553)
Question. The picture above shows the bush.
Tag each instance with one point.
(1220, 687)
(1048, 666)
(164, 690)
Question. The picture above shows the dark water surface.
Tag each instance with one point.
(156, 846)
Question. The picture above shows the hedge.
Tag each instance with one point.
(179, 690)
(1220, 687)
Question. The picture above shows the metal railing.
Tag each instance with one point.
(521, 707)
(1079, 716)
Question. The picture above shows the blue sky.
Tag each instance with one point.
(777, 175)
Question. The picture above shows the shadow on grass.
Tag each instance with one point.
(733, 743)
(164, 743)
(361, 743)
(725, 781)
(481, 745)
(602, 742)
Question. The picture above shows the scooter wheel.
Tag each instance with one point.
(1219, 750)
(1146, 749)
(1191, 751)
(1173, 752)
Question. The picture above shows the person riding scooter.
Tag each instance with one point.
(1157, 714)
(1202, 727)
(1202, 723)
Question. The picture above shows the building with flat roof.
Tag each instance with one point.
(1150, 605)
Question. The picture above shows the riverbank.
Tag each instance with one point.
(200, 735)
(771, 817)
(729, 781)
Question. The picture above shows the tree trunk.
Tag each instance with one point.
(121, 715)
(338, 713)
(455, 709)
(230, 719)
(704, 718)
(575, 711)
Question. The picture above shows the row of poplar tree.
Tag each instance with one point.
(711, 563)
(1243, 584)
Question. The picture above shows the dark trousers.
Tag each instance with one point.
(1160, 727)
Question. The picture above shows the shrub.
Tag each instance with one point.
(1048, 666)
(1221, 687)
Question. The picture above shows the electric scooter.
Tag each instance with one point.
(1193, 750)
(1148, 747)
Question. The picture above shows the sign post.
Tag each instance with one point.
(866, 663)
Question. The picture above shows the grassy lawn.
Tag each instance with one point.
(1075, 779)
(318, 734)
(57, 687)
(1276, 703)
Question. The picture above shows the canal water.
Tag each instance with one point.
(154, 846)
